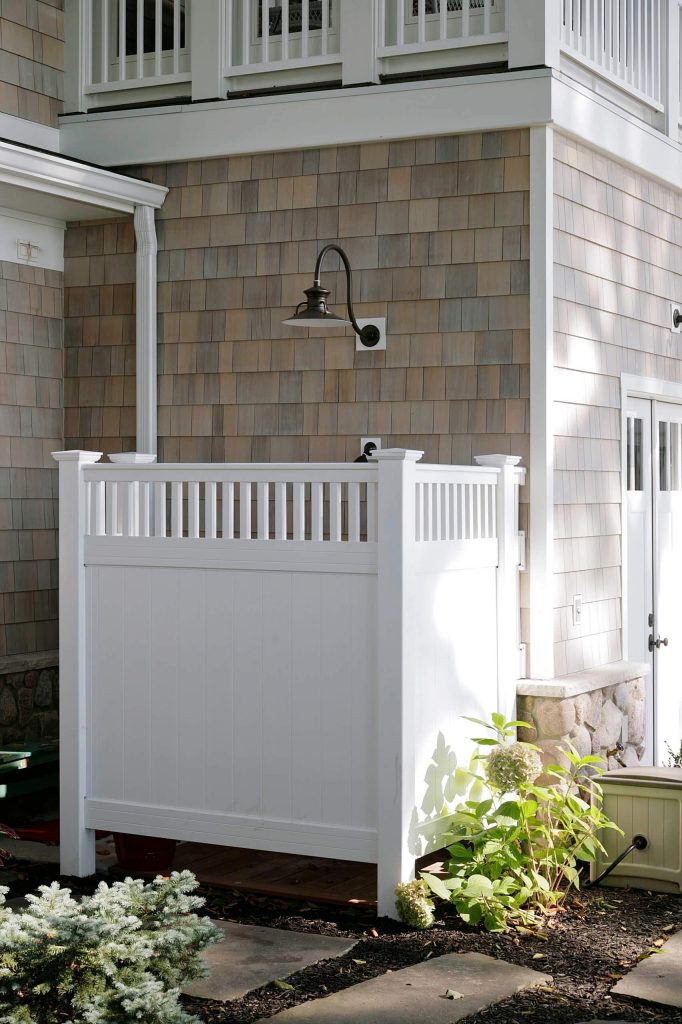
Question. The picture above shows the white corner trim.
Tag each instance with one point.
(330, 117)
(597, 122)
(29, 133)
(69, 179)
(541, 402)
(145, 329)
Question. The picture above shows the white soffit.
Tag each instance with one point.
(48, 185)
(332, 117)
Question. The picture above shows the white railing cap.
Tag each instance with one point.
(497, 460)
(132, 458)
(76, 455)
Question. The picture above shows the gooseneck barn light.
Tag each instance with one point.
(313, 311)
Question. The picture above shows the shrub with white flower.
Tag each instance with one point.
(511, 765)
(414, 904)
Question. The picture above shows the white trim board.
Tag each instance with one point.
(331, 117)
(29, 133)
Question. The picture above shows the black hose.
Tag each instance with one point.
(638, 843)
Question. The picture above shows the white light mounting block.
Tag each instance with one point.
(378, 321)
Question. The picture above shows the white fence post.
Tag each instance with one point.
(78, 66)
(508, 653)
(145, 328)
(397, 672)
(359, 41)
(207, 27)
(77, 843)
(534, 29)
(673, 81)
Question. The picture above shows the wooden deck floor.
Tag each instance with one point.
(280, 874)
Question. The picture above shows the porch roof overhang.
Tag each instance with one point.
(50, 185)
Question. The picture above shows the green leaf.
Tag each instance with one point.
(436, 885)
(284, 985)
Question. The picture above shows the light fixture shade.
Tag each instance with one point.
(314, 312)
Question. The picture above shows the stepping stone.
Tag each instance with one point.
(251, 956)
(416, 995)
(658, 979)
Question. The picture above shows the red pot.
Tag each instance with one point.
(144, 854)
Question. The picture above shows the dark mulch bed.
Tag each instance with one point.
(600, 936)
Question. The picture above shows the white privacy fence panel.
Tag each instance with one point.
(249, 651)
(624, 41)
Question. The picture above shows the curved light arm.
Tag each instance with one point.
(349, 279)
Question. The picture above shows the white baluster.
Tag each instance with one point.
(435, 532)
(158, 39)
(354, 512)
(229, 55)
(160, 509)
(280, 511)
(211, 509)
(443, 19)
(305, 27)
(371, 512)
(325, 27)
(100, 525)
(176, 509)
(335, 512)
(139, 61)
(487, 5)
(131, 508)
(112, 508)
(228, 511)
(447, 495)
(121, 40)
(176, 36)
(298, 528)
(418, 512)
(145, 508)
(104, 34)
(421, 20)
(88, 512)
(193, 509)
(245, 511)
(400, 21)
(285, 29)
(316, 511)
(265, 30)
(263, 511)
(246, 32)
(427, 527)
(466, 18)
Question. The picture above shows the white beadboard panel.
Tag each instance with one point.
(236, 693)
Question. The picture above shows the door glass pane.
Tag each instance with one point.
(638, 484)
(634, 454)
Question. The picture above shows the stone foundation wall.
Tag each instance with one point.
(29, 700)
(595, 711)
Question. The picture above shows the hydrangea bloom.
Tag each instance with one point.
(511, 765)
(413, 903)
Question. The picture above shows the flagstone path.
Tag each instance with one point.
(439, 991)
(252, 956)
(658, 979)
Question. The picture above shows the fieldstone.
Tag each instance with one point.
(630, 757)
(622, 696)
(43, 695)
(658, 979)
(582, 740)
(527, 735)
(31, 678)
(8, 707)
(636, 722)
(637, 689)
(551, 754)
(25, 705)
(252, 956)
(588, 708)
(608, 731)
(555, 717)
(417, 995)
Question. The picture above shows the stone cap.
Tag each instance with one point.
(28, 662)
(583, 682)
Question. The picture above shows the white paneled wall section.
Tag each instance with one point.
(253, 649)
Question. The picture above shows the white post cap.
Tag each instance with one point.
(76, 455)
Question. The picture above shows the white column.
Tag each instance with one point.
(207, 23)
(541, 526)
(397, 671)
(508, 602)
(534, 33)
(145, 329)
(358, 23)
(78, 66)
(77, 843)
(671, 96)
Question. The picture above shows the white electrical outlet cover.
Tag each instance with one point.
(378, 321)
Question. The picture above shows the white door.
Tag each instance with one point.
(654, 560)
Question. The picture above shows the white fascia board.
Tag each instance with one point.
(333, 117)
(68, 179)
(598, 123)
(29, 133)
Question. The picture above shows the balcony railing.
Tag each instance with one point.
(148, 51)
